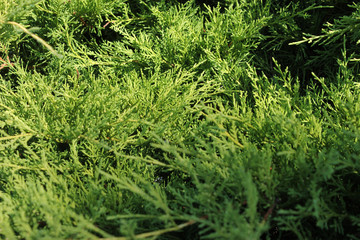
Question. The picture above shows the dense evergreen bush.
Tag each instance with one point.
(179, 119)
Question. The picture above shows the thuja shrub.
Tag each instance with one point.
(179, 119)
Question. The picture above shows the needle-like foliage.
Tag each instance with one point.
(175, 119)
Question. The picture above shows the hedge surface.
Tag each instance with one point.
(143, 119)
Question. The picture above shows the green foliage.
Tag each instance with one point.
(179, 120)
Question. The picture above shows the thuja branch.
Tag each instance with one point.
(15, 137)
(158, 232)
(39, 39)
